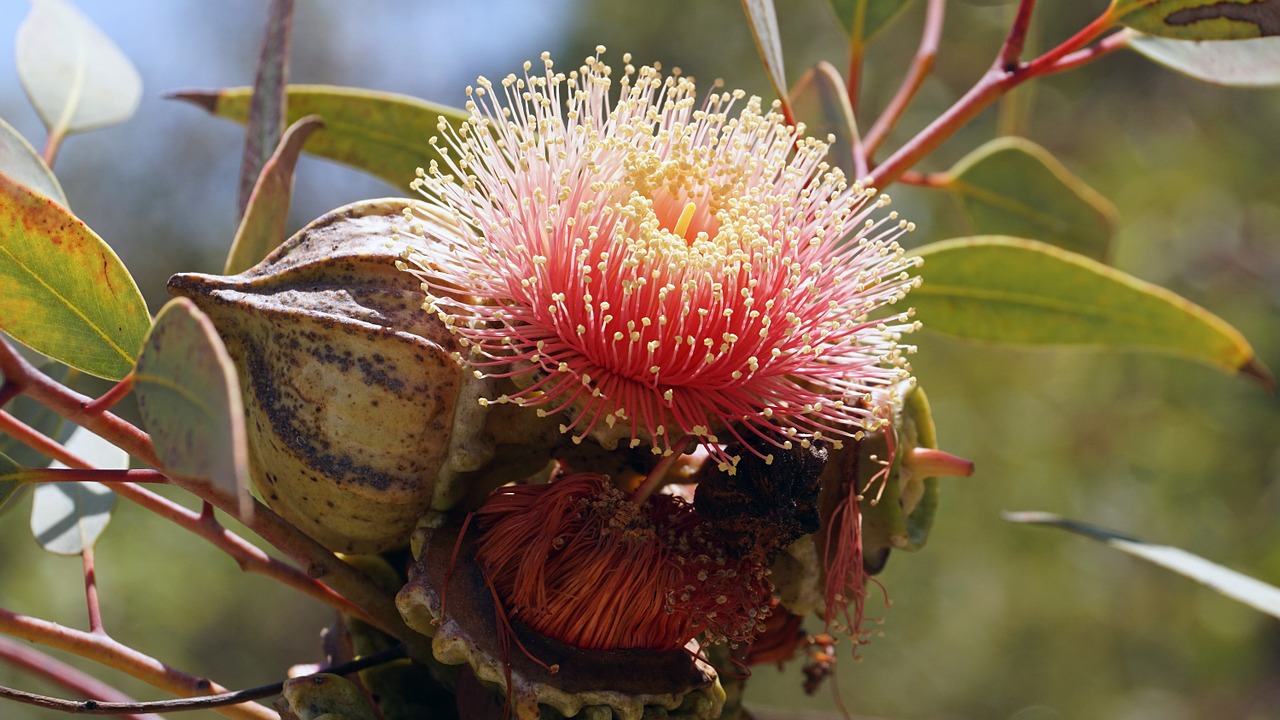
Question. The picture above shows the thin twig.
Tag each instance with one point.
(95, 707)
(853, 80)
(55, 671)
(997, 81)
(319, 562)
(91, 591)
(103, 649)
(921, 66)
(1015, 41)
(111, 397)
(65, 475)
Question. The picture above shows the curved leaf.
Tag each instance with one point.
(67, 517)
(1023, 292)
(189, 399)
(1248, 63)
(819, 100)
(21, 162)
(1237, 586)
(265, 123)
(381, 133)
(10, 490)
(63, 291)
(764, 28)
(1011, 186)
(262, 228)
(1200, 19)
(862, 19)
(75, 76)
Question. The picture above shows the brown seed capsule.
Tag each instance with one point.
(359, 419)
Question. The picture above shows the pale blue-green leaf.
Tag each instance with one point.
(1254, 62)
(21, 162)
(74, 74)
(68, 517)
(1237, 586)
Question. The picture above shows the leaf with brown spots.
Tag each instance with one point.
(1200, 19)
(189, 397)
(63, 292)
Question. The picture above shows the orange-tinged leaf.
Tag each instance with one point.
(63, 292)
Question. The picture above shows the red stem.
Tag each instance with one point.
(857, 50)
(91, 592)
(66, 676)
(61, 475)
(51, 146)
(110, 397)
(1011, 53)
(995, 83)
(319, 562)
(654, 479)
(103, 649)
(921, 66)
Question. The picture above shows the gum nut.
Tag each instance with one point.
(622, 684)
(349, 386)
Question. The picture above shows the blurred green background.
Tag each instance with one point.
(991, 620)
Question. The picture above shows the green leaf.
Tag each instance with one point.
(262, 228)
(1200, 19)
(381, 133)
(764, 28)
(10, 490)
(1011, 186)
(75, 76)
(821, 103)
(63, 292)
(67, 517)
(862, 19)
(1247, 63)
(189, 398)
(265, 123)
(1237, 586)
(1023, 292)
(21, 162)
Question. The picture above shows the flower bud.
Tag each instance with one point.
(359, 419)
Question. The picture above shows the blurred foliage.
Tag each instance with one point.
(992, 620)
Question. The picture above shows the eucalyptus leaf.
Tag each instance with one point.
(819, 101)
(1022, 292)
(763, 20)
(1246, 63)
(1200, 19)
(189, 398)
(74, 74)
(262, 228)
(1237, 586)
(381, 133)
(21, 162)
(1011, 186)
(266, 123)
(10, 490)
(862, 19)
(63, 292)
(67, 517)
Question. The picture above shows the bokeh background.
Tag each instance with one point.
(991, 620)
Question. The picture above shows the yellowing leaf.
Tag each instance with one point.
(63, 292)
(1022, 292)
(381, 133)
(1011, 186)
(1200, 19)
